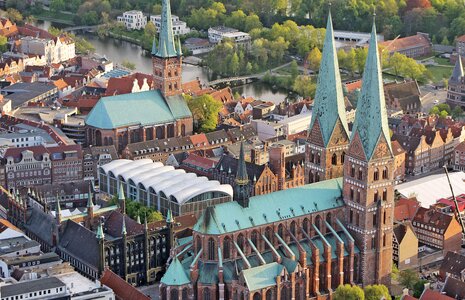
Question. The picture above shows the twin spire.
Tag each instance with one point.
(166, 47)
(371, 124)
(329, 105)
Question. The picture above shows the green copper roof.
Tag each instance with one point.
(273, 207)
(175, 275)
(100, 235)
(371, 121)
(169, 216)
(123, 226)
(241, 176)
(89, 198)
(261, 277)
(329, 99)
(458, 70)
(143, 108)
(166, 44)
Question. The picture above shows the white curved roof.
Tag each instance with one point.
(115, 163)
(144, 169)
(128, 167)
(172, 182)
(185, 195)
(158, 171)
(170, 185)
(177, 186)
(147, 183)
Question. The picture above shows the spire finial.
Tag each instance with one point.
(100, 235)
(90, 203)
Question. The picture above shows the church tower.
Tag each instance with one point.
(328, 137)
(166, 57)
(368, 177)
(242, 187)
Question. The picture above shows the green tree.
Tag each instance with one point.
(3, 43)
(314, 59)
(445, 41)
(376, 292)
(457, 112)
(304, 86)
(418, 288)
(348, 292)
(434, 111)
(395, 272)
(129, 65)
(360, 59)
(14, 15)
(443, 114)
(408, 278)
(205, 110)
(82, 45)
(57, 5)
(294, 69)
(156, 9)
(54, 31)
(234, 64)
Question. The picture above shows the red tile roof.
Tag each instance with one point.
(124, 85)
(433, 295)
(461, 38)
(354, 85)
(29, 30)
(405, 209)
(199, 161)
(405, 43)
(192, 86)
(224, 95)
(122, 289)
(199, 140)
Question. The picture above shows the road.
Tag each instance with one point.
(430, 95)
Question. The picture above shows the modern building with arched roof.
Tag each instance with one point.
(162, 187)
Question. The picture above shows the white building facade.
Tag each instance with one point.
(217, 34)
(179, 27)
(55, 51)
(133, 20)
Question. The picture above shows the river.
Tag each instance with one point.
(118, 51)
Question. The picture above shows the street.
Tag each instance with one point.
(430, 95)
(150, 290)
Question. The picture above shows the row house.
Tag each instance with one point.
(459, 157)
(7, 28)
(405, 246)
(94, 157)
(39, 165)
(437, 229)
(11, 66)
(56, 50)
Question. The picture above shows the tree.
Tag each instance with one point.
(14, 15)
(408, 278)
(348, 292)
(3, 43)
(314, 59)
(360, 59)
(234, 64)
(57, 5)
(205, 110)
(303, 86)
(434, 111)
(395, 272)
(294, 69)
(129, 65)
(376, 292)
(418, 288)
(54, 31)
(443, 114)
(457, 112)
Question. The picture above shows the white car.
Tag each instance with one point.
(436, 101)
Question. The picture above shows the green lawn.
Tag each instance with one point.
(442, 61)
(63, 18)
(439, 73)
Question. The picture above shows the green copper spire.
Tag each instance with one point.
(241, 177)
(123, 227)
(371, 121)
(100, 235)
(154, 45)
(89, 198)
(121, 195)
(242, 188)
(169, 216)
(329, 106)
(458, 70)
(166, 44)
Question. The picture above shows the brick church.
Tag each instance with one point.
(303, 242)
(156, 114)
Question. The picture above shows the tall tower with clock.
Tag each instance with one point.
(328, 137)
(167, 56)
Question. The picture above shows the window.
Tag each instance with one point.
(352, 194)
(385, 173)
(352, 171)
(334, 159)
(376, 175)
(375, 220)
(375, 196)
(373, 243)
(360, 174)
(351, 216)
(384, 194)
(226, 248)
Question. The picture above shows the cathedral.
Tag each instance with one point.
(302, 243)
